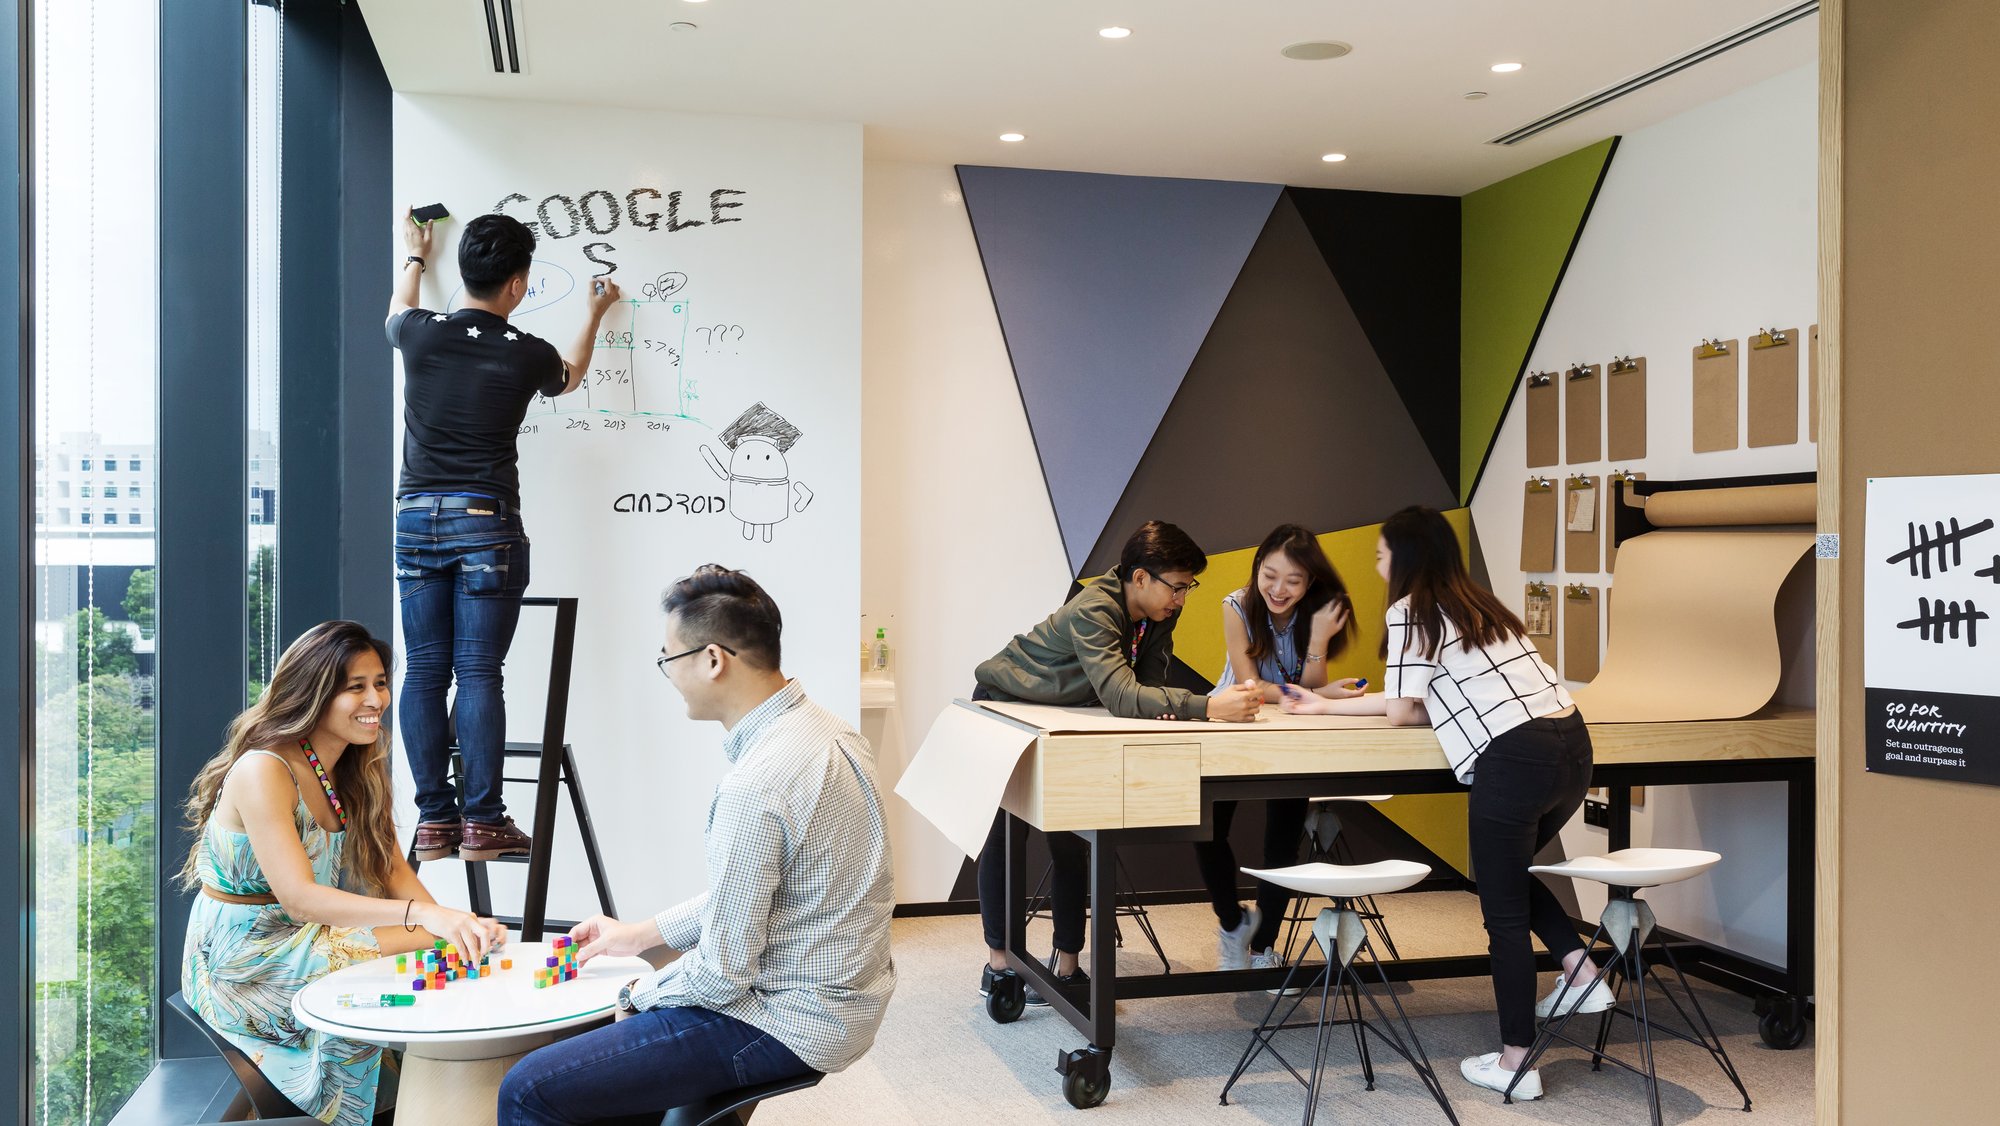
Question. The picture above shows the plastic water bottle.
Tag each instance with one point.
(882, 651)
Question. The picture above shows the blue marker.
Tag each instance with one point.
(1360, 684)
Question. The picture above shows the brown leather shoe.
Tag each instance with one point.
(436, 840)
(490, 840)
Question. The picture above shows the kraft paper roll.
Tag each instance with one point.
(1728, 508)
(1696, 634)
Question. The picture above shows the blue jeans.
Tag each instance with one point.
(461, 577)
(641, 1067)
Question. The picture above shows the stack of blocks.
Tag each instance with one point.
(440, 964)
(560, 966)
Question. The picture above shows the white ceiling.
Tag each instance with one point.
(1199, 88)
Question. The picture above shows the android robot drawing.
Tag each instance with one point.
(761, 489)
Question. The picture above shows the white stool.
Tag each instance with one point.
(1342, 937)
(1625, 928)
(1328, 846)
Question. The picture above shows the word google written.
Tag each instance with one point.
(599, 212)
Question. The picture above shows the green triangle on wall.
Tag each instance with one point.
(1516, 237)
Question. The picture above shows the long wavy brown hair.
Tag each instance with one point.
(311, 672)
(1323, 585)
(1427, 566)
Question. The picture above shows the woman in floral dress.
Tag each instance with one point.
(291, 812)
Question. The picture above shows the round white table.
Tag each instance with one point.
(458, 1042)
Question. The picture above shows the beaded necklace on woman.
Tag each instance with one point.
(325, 783)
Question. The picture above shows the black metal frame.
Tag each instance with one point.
(335, 524)
(1095, 1015)
(17, 570)
(556, 766)
(203, 542)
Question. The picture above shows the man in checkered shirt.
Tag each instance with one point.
(783, 963)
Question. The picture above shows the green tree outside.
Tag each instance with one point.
(141, 601)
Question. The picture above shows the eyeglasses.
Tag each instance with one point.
(662, 661)
(1179, 590)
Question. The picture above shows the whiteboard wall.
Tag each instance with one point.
(737, 242)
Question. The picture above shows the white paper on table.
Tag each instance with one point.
(960, 773)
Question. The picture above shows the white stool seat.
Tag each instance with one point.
(1345, 881)
(1355, 797)
(1636, 867)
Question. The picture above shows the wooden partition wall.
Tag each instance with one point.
(1910, 271)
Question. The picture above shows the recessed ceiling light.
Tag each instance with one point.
(1334, 157)
(1010, 138)
(1473, 95)
(681, 25)
(1316, 49)
(1506, 68)
(1114, 32)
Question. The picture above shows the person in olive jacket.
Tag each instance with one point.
(1111, 644)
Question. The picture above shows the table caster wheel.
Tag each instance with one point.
(1086, 1076)
(1007, 999)
(1084, 1090)
(1784, 1027)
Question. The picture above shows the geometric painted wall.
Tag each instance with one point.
(1518, 236)
(1228, 356)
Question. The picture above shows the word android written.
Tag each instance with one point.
(600, 213)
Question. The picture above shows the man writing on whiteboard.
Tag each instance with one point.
(461, 551)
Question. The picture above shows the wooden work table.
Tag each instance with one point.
(1118, 781)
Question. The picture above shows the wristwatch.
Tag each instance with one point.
(625, 997)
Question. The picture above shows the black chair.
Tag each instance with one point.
(258, 1091)
(733, 1108)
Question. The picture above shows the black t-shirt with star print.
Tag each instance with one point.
(468, 378)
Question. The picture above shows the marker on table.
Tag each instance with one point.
(381, 1001)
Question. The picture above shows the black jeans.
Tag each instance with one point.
(1526, 786)
(1284, 824)
(1069, 881)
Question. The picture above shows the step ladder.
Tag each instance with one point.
(556, 766)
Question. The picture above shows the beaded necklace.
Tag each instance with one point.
(1138, 635)
(325, 783)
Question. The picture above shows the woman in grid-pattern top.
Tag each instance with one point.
(1460, 661)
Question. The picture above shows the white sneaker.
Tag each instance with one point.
(1272, 960)
(1233, 946)
(1485, 1071)
(1592, 998)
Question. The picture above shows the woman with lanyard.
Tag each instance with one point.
(1110, 644)
(1461, 661)
(1282, 629)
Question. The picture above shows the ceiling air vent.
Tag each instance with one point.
(499, 30)
(1671, 67)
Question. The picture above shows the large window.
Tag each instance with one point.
(94, 137)
(264, 164)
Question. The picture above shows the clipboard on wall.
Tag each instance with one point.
(1773, 392)
(1538, 613)
(1582, 524)
(1543, 432)
(1538, 526)
(1579, 614)
(1611, 518)
(1715, 396)
(1625, 408)
(1583, 414)
(1812, 383)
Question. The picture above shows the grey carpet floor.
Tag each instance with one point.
(939, 1059)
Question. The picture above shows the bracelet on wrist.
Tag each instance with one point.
(418, 259)
(407, 908)
(1315, 656)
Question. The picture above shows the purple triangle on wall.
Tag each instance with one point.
(1105, 288)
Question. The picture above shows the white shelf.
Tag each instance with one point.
(878, 693)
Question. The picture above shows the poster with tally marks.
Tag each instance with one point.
(1931, 649)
